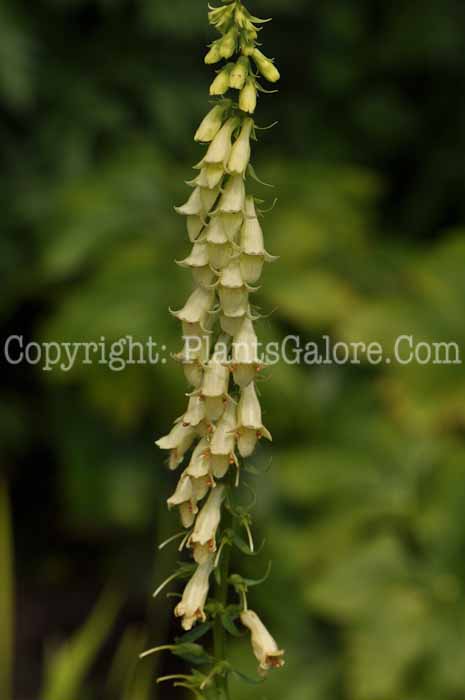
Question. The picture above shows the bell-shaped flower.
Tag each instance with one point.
(197, 258)
(211, 124)
(220, 148)
(240, 152)
(195, 224)
(248, 97)
(231, 223)
(195, 413)
(214, 54)
(199, 263)
(208, 520)
(265, 66)
(239, 73)
(231, 325)
(233, 198)
(178, 441)
(209, 177)
(223, 441)
(187, 514)
(197, 307)
(191, 607)
(199, 464)
(183, 492)
(233, 291)
(264, 646)
(245, 362)
(252, 245)
(199, 202)
(218, 245)
(234, 301)
(227, 45)
(249, 421)
(220, 85)
(187, 496)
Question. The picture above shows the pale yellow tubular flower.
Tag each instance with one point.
(211, 124)
(248, 97)
(265, 66)
(220, 148)
(178, 441)
(208, 520)
(245, 360)
(264, 646)
(191, 607)
(240, 152)
(249, 421)
(220, 85)
(223, 441)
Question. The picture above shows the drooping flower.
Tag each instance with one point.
(265, 66)
(207, 521)
(211, 124)
(264, 646)
(178, 441)
(240, 152)
(249, 421)
(248, 97)
(245, 361)
(191, 607)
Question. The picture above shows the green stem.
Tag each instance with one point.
(219, 637)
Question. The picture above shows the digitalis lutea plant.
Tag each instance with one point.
(223, 422)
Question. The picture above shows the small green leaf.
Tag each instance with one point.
(194, 634)
(247, 679)
(194, 653)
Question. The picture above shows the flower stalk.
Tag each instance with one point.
(222, 424)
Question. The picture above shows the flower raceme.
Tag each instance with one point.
(222, 422)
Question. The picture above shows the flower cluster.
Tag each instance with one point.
(223, 419)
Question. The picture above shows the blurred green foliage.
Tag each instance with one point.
(363, 506)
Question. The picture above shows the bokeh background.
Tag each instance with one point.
(363, 509)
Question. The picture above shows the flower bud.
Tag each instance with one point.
(240, 152)
(227, 44)
(214, 55)
(248, 97)
(239, 73)
(211, 124)
(221, 83)
(266, 66)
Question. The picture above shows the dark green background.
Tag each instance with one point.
(363, 508)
